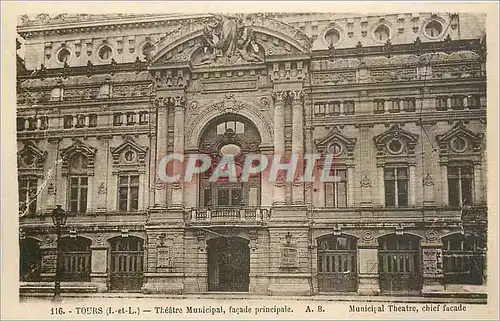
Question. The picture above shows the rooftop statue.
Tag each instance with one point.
(228, 39)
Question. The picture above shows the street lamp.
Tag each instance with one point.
(59, 218)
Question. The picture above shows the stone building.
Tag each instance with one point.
(399, 100)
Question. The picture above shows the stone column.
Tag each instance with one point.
(444, 184)
(309, 149)
(161, 148)
(368, 266)
(478, 194)
(432, 258)
(99, 267)
(298, 145)
(412, 186)
(350, 185)
(279, 142)
(179, 104)
(381, 185)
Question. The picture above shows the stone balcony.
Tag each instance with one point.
(227, 216)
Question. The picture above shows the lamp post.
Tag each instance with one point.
(59, 218)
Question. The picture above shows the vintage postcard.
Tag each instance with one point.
(249, 160)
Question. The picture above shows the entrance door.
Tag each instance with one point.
(399, 263)
(228, 264)
(29, 260)
(337, 264)
(127, 260)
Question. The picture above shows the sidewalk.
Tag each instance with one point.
(456, 293)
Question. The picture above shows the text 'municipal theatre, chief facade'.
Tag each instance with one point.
(399, 100)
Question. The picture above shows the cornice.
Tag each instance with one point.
(66, 27)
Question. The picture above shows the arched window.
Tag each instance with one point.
(382, 33)
(399, 263)
(229, 136)
(463, 259)
(337, 264)
(29, 260)
(75, 259)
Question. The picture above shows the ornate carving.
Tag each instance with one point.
(131, 90)
(460, 131)
(336, 136)
(337, 78)
(31, 157)
(365, 182)
(102, 189)
(409, 140)
(428, 180)
(78, 148)
(226, 41)
(129, 153)
(367, 236)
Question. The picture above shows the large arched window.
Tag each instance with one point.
(75, 259)
(463, 259)
(230, 136)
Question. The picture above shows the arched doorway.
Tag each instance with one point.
(75, 260)
(233, 136)
(126, 263)
(337, 265)
(464, 258)
(30, 259)
(228, 264)
(399, 263)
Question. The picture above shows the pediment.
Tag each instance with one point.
(31, 157)
(336, 144)
(223, 40)
(129, 153)
(459, 140)
(395, 141)
(78, 147)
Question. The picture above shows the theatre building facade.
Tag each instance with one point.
(398, 101)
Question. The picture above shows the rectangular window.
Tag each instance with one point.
(409, 104)
(457, 102)
(473, 102)
(44, 122)
(460, 183)
(334, 108)
(20, 123)
(78, 186)
(92, 120)
(117, 119)
(128, 192)
(143, 118)
(349, 107)
(319, 108)
(130, 118)
(80, 121)
(441, 103)
(396, 186)
(32, 123)
(379, 106)
(223, 196)
(336, 192)
(394, 106)
(207, 197)
(27, 194)
(68, 121)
